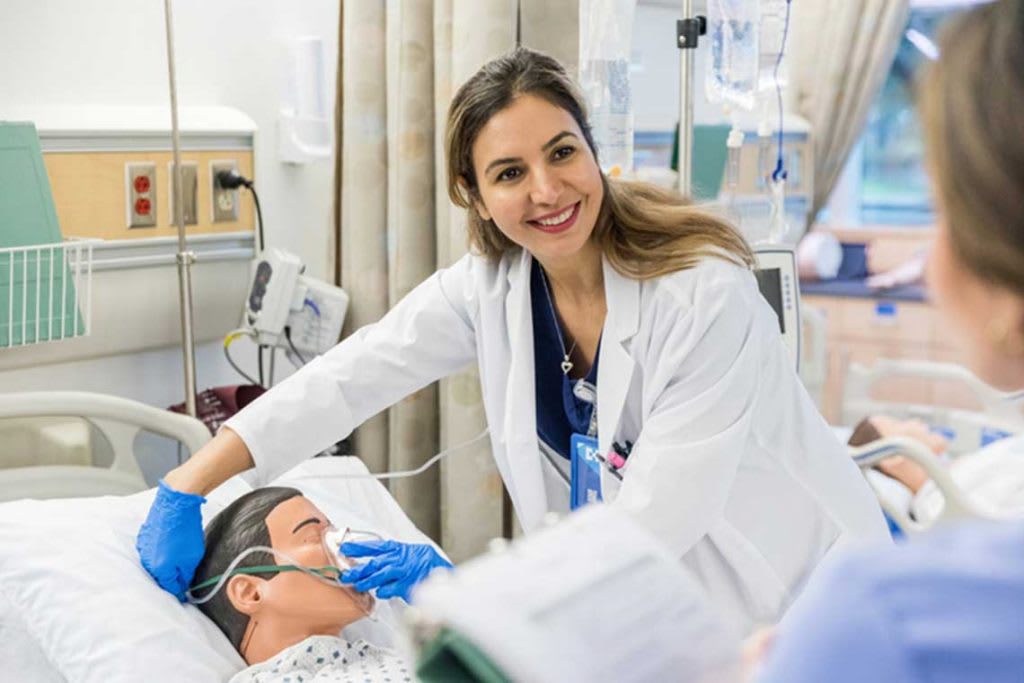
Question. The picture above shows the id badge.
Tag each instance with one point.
(585, 470)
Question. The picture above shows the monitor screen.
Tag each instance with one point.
(769, 280)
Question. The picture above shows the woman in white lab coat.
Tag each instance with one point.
(577, 285)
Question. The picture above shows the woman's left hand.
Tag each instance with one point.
(395, 568)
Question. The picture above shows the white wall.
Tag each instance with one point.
(655, 69)
(229, 52)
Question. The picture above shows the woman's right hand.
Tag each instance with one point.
(170, 541)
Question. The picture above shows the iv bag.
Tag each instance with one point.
(746, 38)
(606, 37)
(732, 77)
(770, 38)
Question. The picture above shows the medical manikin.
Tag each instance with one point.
(992, 477)
(284, 610)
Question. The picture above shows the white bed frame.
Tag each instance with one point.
(966, 430)
(118, 419)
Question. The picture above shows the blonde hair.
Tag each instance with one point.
(972, 103)
(643, 230)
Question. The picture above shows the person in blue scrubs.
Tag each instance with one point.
(949, 607)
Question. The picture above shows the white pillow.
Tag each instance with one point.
(69, 567)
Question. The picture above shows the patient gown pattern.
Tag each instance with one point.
(328, 659)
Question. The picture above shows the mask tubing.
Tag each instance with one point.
(228, 573)
(411, 473)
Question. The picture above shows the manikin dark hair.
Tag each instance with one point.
(238, 527)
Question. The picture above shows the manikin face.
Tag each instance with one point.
(295, 602)
(537, 178)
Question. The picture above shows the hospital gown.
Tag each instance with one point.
(328, 659)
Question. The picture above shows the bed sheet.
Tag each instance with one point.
(73, 594)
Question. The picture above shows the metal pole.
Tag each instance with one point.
(686, 111)
(185, 257)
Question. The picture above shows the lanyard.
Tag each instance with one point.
(585, 391)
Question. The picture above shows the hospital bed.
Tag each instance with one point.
(966, 431)
(58, 444)
(75, 604)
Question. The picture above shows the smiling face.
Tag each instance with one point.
(537, 179)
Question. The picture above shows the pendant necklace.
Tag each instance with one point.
(566, 363)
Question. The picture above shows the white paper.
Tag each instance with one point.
(594, 598)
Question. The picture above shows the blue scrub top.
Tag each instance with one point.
(947, 608)
(560, 412)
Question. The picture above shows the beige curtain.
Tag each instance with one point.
(842, 52)
(400, 62)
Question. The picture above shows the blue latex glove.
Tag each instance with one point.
(170, 542)
(395, 568)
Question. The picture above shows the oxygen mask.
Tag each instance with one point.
(330, 574)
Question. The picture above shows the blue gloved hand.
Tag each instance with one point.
(395, 568)
(170, 542)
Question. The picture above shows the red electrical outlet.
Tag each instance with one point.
(141, 194)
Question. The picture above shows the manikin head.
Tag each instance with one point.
(263, 614)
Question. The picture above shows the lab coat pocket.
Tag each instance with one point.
(756, 586)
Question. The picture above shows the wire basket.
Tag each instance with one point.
(45, 292)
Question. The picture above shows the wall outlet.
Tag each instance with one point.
(190, 188)
(225, 202)
(140, 192)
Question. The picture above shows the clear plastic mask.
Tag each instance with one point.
(331, 539)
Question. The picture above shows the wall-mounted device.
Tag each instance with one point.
(304, 129)
(777, 279)
(288, 309)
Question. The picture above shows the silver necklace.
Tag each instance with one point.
(566, 363)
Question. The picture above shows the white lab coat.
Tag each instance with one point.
(733, 467)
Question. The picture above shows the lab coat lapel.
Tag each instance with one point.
(615, 368)
(524, 459)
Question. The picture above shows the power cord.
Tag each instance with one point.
(228, 340)
(291, 344)
(259, 362)
(232, 180)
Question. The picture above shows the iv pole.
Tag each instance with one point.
(688, 32)
(185, 258)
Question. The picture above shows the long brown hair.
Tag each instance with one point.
(972, 104)
(643, 230)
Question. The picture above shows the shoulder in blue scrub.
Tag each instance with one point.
(948, 608)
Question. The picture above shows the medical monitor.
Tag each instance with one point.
(777, 280)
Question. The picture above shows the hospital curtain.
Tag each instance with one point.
(400, 62)
(842, 53)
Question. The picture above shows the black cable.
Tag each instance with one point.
(259, 358)
(231, 180)
(270, 373)
(259, 214)
(240, 371)
(291, 344)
